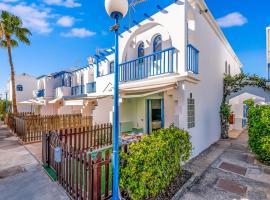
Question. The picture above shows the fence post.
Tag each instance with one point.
(48, 140)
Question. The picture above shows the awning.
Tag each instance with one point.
(31, 102)
(73, 102)
(148, 88)
(55, 100)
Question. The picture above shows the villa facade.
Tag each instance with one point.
(25, 84)
(171, 70)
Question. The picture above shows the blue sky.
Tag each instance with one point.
(66, 32)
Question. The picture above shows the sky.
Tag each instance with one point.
(66, 32)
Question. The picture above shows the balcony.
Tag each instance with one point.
(192, 59)
(91, 87)
(39, 93)
(158, 63)
(77, 90)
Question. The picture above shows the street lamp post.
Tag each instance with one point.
(116, 9)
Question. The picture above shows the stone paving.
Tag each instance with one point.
(21, 175)
(226, 171)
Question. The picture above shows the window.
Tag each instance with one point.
(111, 70)
(191, 112)
(141, 51)
(229, 69)
(157, 45)
(19, 88)
(82, 84)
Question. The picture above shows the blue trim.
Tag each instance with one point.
(115, 160)
(39, 77)
(148, 66)
(40, 93)
(269, 71)
(19, 88)
(162, 113)
(192, 59)
(77, 90)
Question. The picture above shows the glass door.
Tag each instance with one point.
(155, 114)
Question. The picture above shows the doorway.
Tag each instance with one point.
(155, 114)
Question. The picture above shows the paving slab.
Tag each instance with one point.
(232, 186)
(233, 168)
(21, 175)
(226, 171)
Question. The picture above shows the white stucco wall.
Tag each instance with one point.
(29, 84)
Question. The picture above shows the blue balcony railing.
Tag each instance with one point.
(40, 93)
(78, 90)
(161, 62)
(91, 87)
(192, 59)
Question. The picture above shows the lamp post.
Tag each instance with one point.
(116, 9)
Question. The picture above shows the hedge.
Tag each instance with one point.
(151, 164)
(259, 131)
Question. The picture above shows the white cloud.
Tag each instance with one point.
(66, 21)
(79, 32)
(232, 19)
(65, 3)
(34, 18)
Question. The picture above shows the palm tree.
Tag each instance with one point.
(12, 31)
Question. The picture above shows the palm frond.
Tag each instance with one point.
(13, 43)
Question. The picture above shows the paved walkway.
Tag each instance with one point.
(21, 175)
(227, 171)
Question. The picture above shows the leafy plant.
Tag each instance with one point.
(233, 84)
(259, 131)
(151, 164)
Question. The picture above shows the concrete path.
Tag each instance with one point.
(227, 171)
(21, 175)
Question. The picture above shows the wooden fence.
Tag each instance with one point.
(82, 173)
(29, 128)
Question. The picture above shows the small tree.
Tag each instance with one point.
(12, 31)
(233, 84)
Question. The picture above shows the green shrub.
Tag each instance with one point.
(259, 132)
(151, 164)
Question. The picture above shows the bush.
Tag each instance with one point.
(259, 132)
(151, 164)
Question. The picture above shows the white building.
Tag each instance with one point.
(171, 71)
(259, 95)
(25, 85)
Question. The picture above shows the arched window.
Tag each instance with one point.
(19, 88)
(157, 44)
(141, 51)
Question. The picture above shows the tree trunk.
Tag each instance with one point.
(12, 77)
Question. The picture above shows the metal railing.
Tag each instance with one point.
(158, 63)
(192, 59)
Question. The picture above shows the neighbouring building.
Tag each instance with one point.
(25, 84)
(171, 70)
(259, 95)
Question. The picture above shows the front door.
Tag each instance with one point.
(155, 114)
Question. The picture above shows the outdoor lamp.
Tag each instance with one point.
(116, 9)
